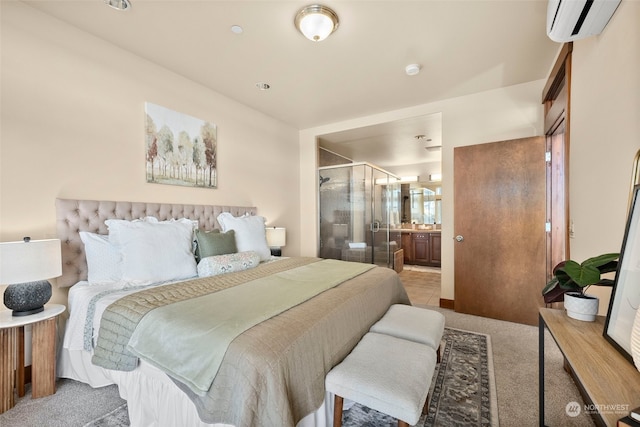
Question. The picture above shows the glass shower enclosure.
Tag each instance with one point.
(359, 214)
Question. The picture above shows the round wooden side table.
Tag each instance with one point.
(43, 354)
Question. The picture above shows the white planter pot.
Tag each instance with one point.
(578, 308)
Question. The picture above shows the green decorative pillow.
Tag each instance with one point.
(211, 243)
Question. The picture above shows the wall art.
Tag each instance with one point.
(180, 149)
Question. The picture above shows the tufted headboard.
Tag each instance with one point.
(74, 216)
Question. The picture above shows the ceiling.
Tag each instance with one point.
(463, 47)
(391, 144)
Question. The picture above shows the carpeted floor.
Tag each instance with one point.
(515, 360)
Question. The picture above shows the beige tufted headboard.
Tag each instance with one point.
(74, 216)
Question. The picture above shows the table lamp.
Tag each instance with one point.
(25, 266)
(276, 239)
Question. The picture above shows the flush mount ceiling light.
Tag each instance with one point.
(316, 22)
(412, 69)
(118, 4)
(263, 86)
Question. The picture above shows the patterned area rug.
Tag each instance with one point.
(462, 391)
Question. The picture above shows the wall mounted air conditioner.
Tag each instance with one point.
(569, 20)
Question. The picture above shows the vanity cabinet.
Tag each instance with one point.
(435, 253)
(407, 247)
(422, 248)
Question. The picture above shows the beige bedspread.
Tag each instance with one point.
(273, 374)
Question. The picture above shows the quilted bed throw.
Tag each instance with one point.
(202, 327)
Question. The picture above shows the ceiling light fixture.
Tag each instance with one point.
(118, 4)
(316, 22)
(263, 86)
(412, 69)
(236, 29)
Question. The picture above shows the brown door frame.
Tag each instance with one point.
(556, 97)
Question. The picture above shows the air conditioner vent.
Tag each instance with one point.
(569, 20)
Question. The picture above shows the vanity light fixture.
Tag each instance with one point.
(316, 22)
(408, 179)
(119, 4)
(435, 177)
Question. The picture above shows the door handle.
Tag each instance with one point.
(375, 226)
(459, 238)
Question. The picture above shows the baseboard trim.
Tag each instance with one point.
(446, 303)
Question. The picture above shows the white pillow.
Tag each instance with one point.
(104, 261)
(250, 234)
(154, 251)
(227, 263)
(192, 222)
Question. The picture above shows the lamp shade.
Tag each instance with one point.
(28, 261)
(276, 237)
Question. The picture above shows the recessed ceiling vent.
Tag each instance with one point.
(569, 20)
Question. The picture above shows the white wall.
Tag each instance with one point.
(73, 127)
(509, 113)
(605, 135)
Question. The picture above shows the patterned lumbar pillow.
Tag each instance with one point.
(220, 264)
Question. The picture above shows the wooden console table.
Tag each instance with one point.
(609, 383)
(43, 354)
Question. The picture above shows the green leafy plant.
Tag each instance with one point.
(569, 276)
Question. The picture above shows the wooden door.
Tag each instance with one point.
(499, 227)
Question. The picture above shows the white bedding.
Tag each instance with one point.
(80, 296)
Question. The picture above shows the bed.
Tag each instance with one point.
(272, 371)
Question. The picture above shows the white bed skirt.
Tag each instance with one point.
(169, 406)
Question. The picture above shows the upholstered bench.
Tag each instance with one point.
(414, 324)
(385, 373)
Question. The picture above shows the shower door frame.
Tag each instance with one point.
(374, 226)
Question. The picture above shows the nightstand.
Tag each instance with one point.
(43, 354)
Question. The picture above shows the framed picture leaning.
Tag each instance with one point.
(625, 296)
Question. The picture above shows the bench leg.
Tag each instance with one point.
(337, 411)
(402, 424)
(438, 354)
(425, 408)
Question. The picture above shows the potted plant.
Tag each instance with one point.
(571, 280)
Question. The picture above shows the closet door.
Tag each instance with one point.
(499, 227)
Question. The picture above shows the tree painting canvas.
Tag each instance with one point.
(181, 149)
